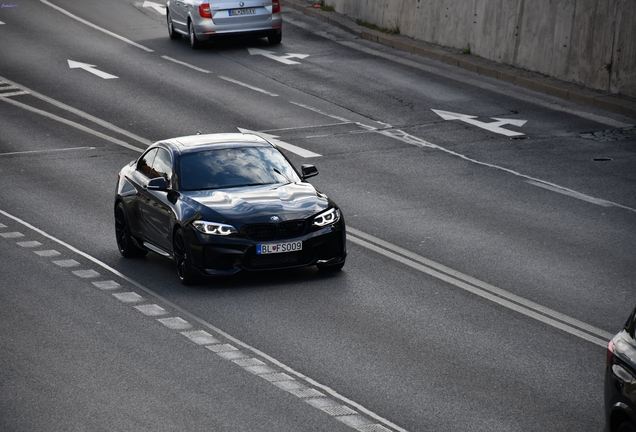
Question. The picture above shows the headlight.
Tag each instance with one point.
(329, 217)
(214, 228)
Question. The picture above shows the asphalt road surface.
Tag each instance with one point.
(490, 233)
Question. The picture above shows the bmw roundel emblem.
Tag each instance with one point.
(241, 4)
(274, 218)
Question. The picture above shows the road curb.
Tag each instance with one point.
(509, 74)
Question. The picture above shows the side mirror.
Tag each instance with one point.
(157, 183)
(308, 171)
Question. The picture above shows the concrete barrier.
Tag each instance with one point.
(591, 43)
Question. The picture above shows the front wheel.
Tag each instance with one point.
(127, 248)
(182, 259)
(194, 42)
(626, 427)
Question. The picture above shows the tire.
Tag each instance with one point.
(173, 34)
(194, 42)
(275, 39)
(127, 248)
(331, 268)
(182, 259)
(626, 427)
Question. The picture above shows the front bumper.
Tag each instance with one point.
(216, 255)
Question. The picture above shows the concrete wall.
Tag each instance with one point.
(572, 40)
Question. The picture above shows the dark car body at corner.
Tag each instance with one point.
(155, 209)
(620, 379)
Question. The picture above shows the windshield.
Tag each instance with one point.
(234, 167)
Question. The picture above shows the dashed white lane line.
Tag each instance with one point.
(201, 337)
(107, 285)
(275, 372)
(47, 253)
(12, 235)
(66, 263)
(29, 244)
(175, 323)
(128, 297)
(182, 63)
(222, 348)
(151, 310)
(86, 274)
(248, 86)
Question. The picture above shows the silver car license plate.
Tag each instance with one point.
(246, 11)
(272, 248)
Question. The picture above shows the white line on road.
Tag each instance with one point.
(480, 288)
(81, 114)
(413, 140)
(47, 151)
(72, 124)
(185, 64)
(289, 147)
(571, 193)
(135, 298)
(83, 21)
(248, 86)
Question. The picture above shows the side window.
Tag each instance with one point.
(162, 165)
(145, 163)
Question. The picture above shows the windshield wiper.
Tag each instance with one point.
(282, 175)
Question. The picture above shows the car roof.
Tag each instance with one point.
(185, 144)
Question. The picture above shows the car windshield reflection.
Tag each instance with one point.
(234, 167)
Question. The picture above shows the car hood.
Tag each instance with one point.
(255, 204)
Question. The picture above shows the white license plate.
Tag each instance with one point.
(264, 249)
(248, 11)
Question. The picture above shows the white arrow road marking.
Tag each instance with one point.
(90, 68)
(161, 8)
(282, 59)
(492, 127)
(290, 147)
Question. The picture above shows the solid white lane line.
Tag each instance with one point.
(248, 86)
(482, 289)
(16, 93)
(73, 124)
(83, 21)
(571, 193)
(413, 140)
(80, 113)
(223, 350)
(185, 64)
(308, 127)
(46, 151)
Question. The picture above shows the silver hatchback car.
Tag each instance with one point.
(201, 20)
